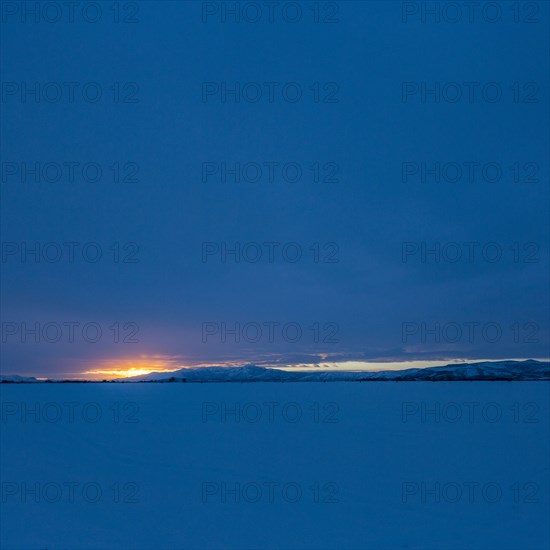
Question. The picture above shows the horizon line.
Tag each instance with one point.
(337, 366)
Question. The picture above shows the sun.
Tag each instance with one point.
(126, 368)
(132, 371)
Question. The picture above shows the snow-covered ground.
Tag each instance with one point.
(295, 465)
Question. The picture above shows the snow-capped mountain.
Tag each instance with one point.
(490, 370)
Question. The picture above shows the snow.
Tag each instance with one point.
(365, 457)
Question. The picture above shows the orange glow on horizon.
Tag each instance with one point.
(126, 368)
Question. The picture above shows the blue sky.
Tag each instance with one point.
(348, 247)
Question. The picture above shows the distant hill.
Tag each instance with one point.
(490, 370)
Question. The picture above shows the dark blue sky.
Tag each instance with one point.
(378, 112)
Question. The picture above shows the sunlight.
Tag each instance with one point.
(125, 368)
(132, 371)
